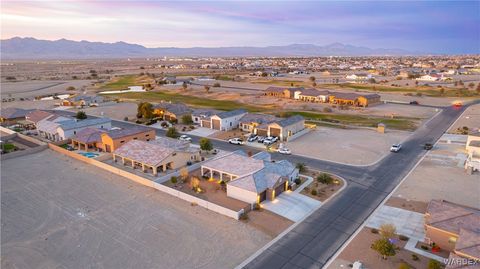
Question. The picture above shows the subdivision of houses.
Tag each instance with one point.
(171, 111)
(109, 140)
(157, 155)
(251, 179)
(454, 228)
(224, 121)
(11, 115)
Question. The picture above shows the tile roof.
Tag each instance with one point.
(89, 135)
(346, 95)
(37, 115)
(13, 113)
(290, 120)
(258, 118)
(136, 129)
(76, 124)
(452, 217)
(141, 151)
(370, 96)
(468, 243)
(235, 164)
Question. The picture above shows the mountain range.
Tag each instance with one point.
(31, 48)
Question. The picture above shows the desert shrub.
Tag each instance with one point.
(301, 167)
(374, 231)
(174, 179)
(314, 192)
(327, 109)
(125, 119)
(297, 181)
(424, 247)
(81, 115)
(403, 266)
(187, 119)
(325, 178)
(256, 206)
(244, 216)
(216, 85)
(415, 257)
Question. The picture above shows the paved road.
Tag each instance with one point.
(314, 241)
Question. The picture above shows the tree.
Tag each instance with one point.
(301, 167)
(172, 132)
(325, 178)
(312, 79)
(145, 110)
(387, 230)
(433, 264)
(384, 248)
(195, 182)
(184, 173)
(206, 144)
(216, 85)
(70, 88)
(184, 85)
(173, 179)
(187, 119)
(81, 115)
(471, 85)
(207, 88)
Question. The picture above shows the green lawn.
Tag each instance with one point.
(400, 123)
(122, 83)
(188, 100)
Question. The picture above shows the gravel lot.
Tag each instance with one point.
(441, 176)
(61, 213)
(352, 146)
(470, 118)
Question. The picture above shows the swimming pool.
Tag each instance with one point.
(89, 154)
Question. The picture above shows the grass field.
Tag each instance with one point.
(123, 82)
(400, 123)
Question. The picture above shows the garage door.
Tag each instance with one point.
(279, 189)
(275, 132)
(262, 132)
(216, 124)
(263, 196)
(206, 123)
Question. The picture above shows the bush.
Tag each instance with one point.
(433, 264)
(187, 119)
(244, 216)
(374, 231)
(415, 257)
(174, 179)
(81, 115)
(125, 119)
(216, 85)
(327, 109)
(256, 206)
(172, 133)
(301, 167)
(314, 192)
(206, 144)
(325, 178)
(297, 181)
(403, 237)
(403, 266)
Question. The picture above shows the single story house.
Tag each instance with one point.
(203, 114)
(11, 115)
(359, 76)
(83, 100)
(312, 95)
(281, 92)
(224, 121)
(171, 111)
(287, 127)
(61, 128)
(156, 155)
(249, 122)
(251, 179)
(110, 140)
(454, 228)
(36, 116)
(354, 99)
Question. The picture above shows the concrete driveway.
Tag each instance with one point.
(202, 131)
(292, 205)
(407, 222)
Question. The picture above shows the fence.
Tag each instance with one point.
(184, 196)
(11, 135)
(297, 135)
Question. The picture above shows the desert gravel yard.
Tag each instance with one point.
(61, 213)
(350, 146)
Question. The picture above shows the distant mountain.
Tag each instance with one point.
(31, 48)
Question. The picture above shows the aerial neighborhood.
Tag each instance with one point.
(240, 134)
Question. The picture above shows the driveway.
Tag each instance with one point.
(292, 205)
(202, 131)
(407, 222)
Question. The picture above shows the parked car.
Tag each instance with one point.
(272, 138)
(185, 138)
(413, 102)
(260, 139)
(252, 138)
(236, 141)
(284, 151)
(395, 148)
(427, 146)
(267, 141)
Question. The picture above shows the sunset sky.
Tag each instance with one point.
(427, 26)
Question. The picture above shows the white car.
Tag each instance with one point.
(395, 147)
(185, 138)
(236, 141)
(284, 151)
(267, 142)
